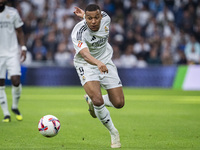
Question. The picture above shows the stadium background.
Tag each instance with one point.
(155, 42)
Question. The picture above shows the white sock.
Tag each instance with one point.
(103, 115)
(107, 101)
(16, 92)
(3, 101)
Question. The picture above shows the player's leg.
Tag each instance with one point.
(3, 98)
(111, 82)
(116, 97)
(89, 78)
(16, 93)
(16, 90)
(3, 101)
(93, 90)
(14, 73)
(106, 100)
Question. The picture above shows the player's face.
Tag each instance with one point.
(2, 3)
(93, 19)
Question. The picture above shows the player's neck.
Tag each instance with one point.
(2, 8)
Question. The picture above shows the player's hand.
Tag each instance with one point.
(102, 67)
(23, 56)
(79, 12)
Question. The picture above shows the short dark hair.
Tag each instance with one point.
(92, 7)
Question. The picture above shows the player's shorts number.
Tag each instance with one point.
(81, 71)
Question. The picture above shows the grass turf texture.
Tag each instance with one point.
(152, 119)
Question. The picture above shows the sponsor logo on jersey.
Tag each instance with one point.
(5, 24)
(100, 42)
(79, 44)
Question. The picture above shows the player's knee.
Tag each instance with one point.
(16, 82)
(2, 82)
(119, 104)
(97, 101)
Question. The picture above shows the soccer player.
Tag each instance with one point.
(95, 68)
(10, 24)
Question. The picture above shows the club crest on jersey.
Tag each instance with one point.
(8, 16)
(79, 44)
(106, 29)
(83, 78)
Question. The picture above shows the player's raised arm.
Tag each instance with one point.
(79, 12)
(90, 59)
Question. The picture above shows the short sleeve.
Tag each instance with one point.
(78, 45)
(17, 20)
(106, 17)
(77, 37)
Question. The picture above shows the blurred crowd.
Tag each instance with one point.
(142, 32)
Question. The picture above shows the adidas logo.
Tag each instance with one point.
(106, 121)
(93, 38)
(119, 83)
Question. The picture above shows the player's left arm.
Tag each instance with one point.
(20, 36)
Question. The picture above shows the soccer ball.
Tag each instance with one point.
(49, 126)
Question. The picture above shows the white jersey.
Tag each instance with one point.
(96, 42)
(9, 21)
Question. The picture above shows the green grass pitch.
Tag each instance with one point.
(152, 119)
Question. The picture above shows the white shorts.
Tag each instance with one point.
(10, 64)
(87, 72)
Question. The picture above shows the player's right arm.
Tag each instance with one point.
(79, 12)
(85, 53)
(82, 49)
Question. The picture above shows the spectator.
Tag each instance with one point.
(187, 22)
(51, 44)
(128, 59)
(181, 59)
(116, 56)
(192, 51)
(167, 51)
(109, 7)
(154, 58)
(156, 6)
(52, 21)
(145, 14)
(39, 51)
(164, 16)
(141, 48)
(62, 56)
(197, 29)
(141, 62)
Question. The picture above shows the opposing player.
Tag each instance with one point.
(10, 24)
(95, 67)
